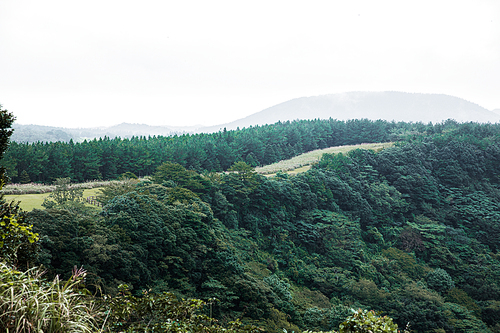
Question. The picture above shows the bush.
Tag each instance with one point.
(439, 280)
(363, 321)
(164, 313)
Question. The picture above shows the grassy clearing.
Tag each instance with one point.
(303, 162)
(34, 201)
(33, 188)
(32, 195)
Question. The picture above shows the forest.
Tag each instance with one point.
(107, 158)
(411, 231)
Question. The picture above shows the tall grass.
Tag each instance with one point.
(35, 188)
(30, 304)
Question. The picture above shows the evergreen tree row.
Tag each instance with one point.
(261, 145)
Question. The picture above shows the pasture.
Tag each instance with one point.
(304, 161)
(32, 201)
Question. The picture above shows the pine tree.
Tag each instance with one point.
(24, 178)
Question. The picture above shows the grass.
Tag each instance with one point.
(35, 188)
(32, 195)
(303, 162)
(30, 304)
(34, 201)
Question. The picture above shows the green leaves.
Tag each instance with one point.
(63, 193)
(165, 313)
(363, 321)
(14, 235)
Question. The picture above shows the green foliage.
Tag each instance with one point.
(177, 174)
(439, 280)
(261, 145)
(6, 121)
(24, 178)
(363, 321)
(338, 314)
(16, 239)
(462, 320)
(359, 230)
(63, 193)
(406, 263)
(280, 287)
(128, 175)
(115, 189)
(165, 313)
(314, 317)
(460, 297)
(368, 292)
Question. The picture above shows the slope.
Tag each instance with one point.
(389, 105)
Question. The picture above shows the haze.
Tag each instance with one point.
(99, 63)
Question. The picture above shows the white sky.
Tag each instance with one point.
(98, 63)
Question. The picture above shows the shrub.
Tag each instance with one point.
(164, 313)
(363, 321)
(439, 280)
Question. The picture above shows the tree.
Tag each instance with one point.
(176, 173)
(24, 178)
(63, 193)
(6, 121)
(439, 280)
(363, 321)
(15, 235)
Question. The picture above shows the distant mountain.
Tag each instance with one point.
(398, 106)
(37, 133)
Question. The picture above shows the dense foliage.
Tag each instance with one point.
(108, 158)
(411, 231)
(16, 237)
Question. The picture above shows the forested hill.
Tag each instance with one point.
(261, 145)
(108, 158)
(412, 231)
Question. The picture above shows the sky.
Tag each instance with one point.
(179, 63)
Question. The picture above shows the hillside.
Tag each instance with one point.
(398, 106)
(37, 133)
(410, 229)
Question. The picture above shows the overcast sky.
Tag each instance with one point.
(98, 63)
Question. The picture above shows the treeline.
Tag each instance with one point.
(261, 145)
(412, 231)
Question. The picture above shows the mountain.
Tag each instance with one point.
(390, 105)
(37, 133)
(398, 106)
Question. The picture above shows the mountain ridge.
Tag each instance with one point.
(388, 105)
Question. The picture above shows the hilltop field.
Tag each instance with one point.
(304, 161)
(31, 196)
